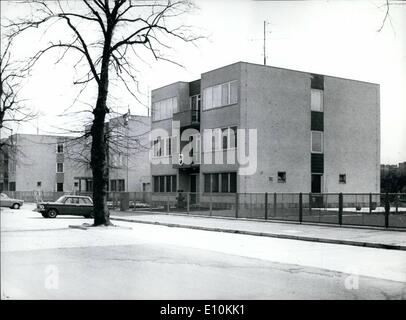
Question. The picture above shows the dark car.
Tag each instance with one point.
(67, 205)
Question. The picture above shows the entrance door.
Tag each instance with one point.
(316, 183)
(317, 200)
(193, 189)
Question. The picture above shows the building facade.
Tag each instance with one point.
(303, 132)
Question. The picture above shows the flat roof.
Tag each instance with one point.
(268, 66)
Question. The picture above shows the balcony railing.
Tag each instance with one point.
(177, 164)
(187, 118)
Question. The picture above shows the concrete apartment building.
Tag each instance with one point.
(38, 163)
(315, 133)
(51, 163)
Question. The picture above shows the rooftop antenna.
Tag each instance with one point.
(264, 43)
(265, 23)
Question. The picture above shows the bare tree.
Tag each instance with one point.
(12, 109)
(105, 33)
(387, 17)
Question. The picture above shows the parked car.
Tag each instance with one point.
(5, 201)
(67, 205)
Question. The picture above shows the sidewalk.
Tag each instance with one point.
(327, 234)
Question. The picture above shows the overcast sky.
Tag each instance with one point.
(337, 38)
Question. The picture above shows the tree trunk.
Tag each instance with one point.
(99, 164)
(99, 149)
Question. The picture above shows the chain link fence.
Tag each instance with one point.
(357, 209)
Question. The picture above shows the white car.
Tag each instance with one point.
(5, 201)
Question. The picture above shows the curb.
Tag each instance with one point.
(269, 220)
(271, 235)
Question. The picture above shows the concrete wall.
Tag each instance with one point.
(276, 102)
(351, 135)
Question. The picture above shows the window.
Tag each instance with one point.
(157, 147)
(224, 94)
(216, 96)
(84, 201)
(215, 144)
(229, 138)
(121, 185)
(220, 182)
(162, 184)
(72, 200)
(220, 95)
(215, 182)
(224, 133)
(113, 185)
(59, 167)
(195, 102)
(281, 176)
(317, 141)
(162, 147)
(59, 148)
(316, 101)
(156, 184)
(39, 183)
(224, 182)
(117, 160)
(165, 183)
(233, 92)
(174, 185)
(168, 184)
(59, 187)
(207, 182)
(342, 178)
(164, 109)
(89, 185)
(168, 146)
(76, 184)
(12, 186)
(233, 182)
(208, 98)
(192, 143)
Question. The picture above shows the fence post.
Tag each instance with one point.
(370, 203)
(236, 204)
(397, 203)
(387, 210)
(266, 205)
(300, 207)
(340, 208)
(274, 204)
(211, 204)
(187, 201)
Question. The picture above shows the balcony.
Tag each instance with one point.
(188, 118)
(193, 166)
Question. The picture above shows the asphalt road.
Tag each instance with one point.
(45, 259)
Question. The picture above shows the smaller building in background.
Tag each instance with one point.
(402, 168)
(38, 163)
(387, 169)
(51, 163)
